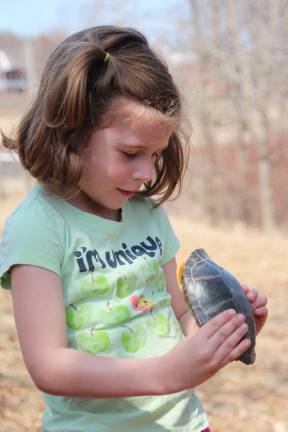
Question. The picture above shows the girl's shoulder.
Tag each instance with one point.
(33, 235)
(34, 224)
(36, 209)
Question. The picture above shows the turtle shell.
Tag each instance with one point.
(209, 290)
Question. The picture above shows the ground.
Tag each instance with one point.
(239, 398)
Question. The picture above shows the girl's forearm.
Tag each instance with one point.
(68, 372)
(188, 323)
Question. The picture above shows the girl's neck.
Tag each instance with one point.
(86, 204)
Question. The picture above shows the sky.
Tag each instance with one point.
(31, 17)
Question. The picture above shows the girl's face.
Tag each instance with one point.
(120, 157)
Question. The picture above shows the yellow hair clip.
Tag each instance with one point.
(107, 55)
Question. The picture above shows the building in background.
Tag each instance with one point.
(12, 77)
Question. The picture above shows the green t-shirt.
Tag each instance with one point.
(116, 303)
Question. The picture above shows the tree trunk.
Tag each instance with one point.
(264, 169)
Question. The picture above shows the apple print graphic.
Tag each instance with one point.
(160, 325)
(151, 270)
(114, 315)
(95, 285)
(125, 285)
(160, 283)
(141, 303)
(133, 339)
(165, 302)
(79, 317)
(94, 341)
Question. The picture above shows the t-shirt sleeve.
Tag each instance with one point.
(33, 235)
(169, 239)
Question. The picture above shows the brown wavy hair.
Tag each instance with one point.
(75, 91)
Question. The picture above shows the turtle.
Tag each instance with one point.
(209, 290)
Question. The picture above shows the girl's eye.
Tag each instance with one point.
(155, 156)
(129, 155)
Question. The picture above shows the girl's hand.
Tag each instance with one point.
(199, 356)
(258, 303)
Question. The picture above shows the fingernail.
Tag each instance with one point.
(232, 312)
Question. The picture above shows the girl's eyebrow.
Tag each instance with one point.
(139, 147)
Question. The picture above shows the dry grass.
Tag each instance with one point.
(239, 398)
(242, 398)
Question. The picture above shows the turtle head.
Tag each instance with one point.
(179, 273)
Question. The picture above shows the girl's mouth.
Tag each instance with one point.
(126, 193)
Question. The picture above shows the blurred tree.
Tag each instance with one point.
(243, 46)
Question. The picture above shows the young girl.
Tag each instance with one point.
(103, 328)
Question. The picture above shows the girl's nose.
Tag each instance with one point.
(144, 171)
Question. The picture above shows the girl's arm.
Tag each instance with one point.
(40, 320)
(183, 314)
(59, 370)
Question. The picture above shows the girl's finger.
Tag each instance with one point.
(260, 301)
(261, 311)
(245, 288)
(236, 352)
(252, 295)
(228, 346)
(231, 342)
(212, 326)
(228, 332)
